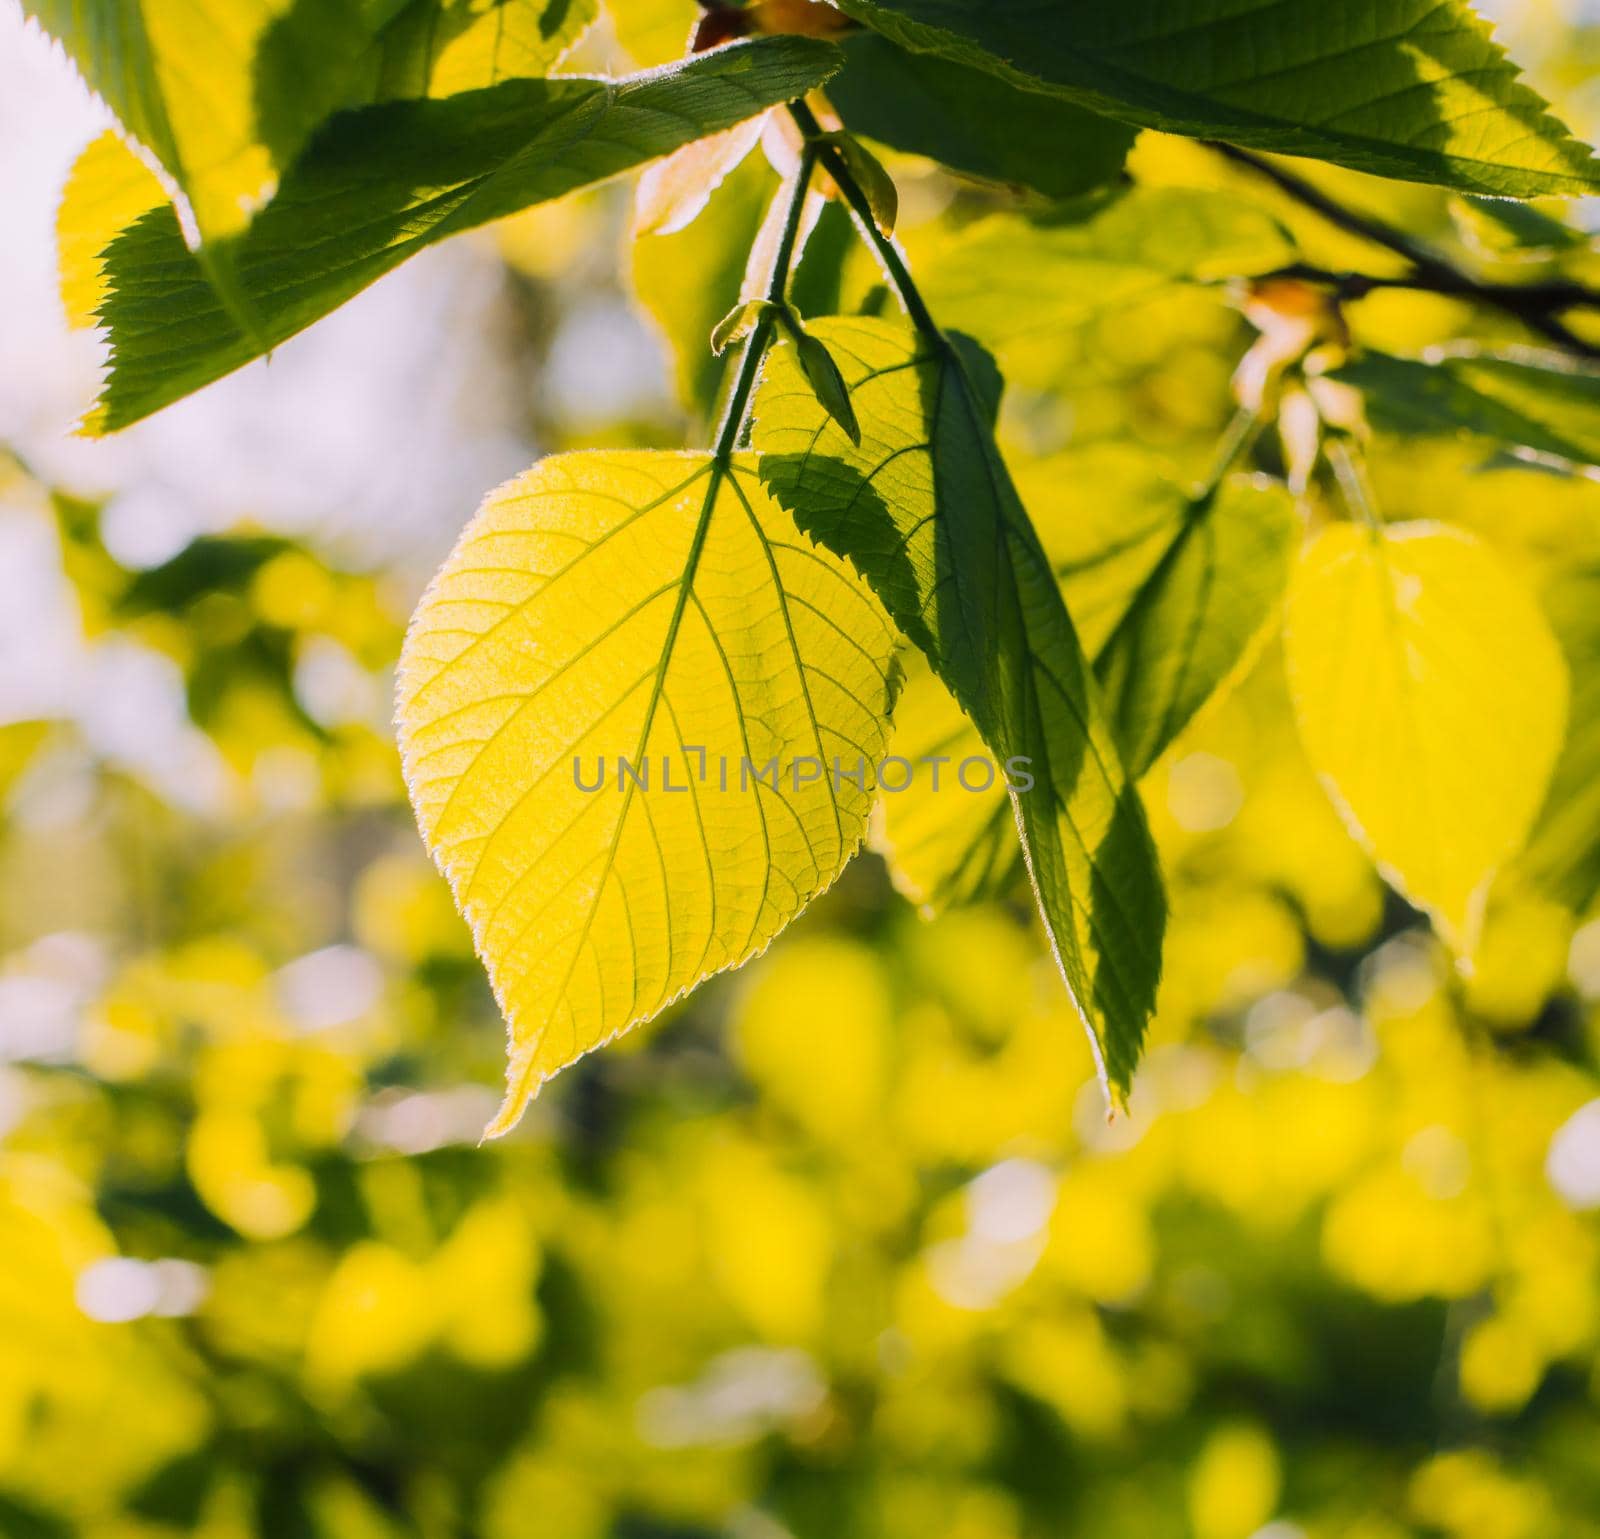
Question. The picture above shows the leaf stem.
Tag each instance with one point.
(1350, 471)
(755, 347)
(1234, 444)
(887, 252)
(1534, 305)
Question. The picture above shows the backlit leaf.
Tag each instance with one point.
(1563, 854)
(108, 189)
(382, 183)
(225, 93)
(1526, 398)
(1008, 276)
(1167, 595)
(1416, 89)
(926, 510)
(946, 843)
(1193, 620)
(1431, 698)
(652, 608)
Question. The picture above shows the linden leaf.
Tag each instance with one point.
(1408, 88)
(925, 507)
(1432, 698)
(660, 610)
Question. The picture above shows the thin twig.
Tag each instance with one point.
(1534, 305)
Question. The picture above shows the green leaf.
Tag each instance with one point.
(225, 93)
(1192, 623)
(823, 375)
(1168, 595)
(882, 196)
(1523, 397)
(738, 323)
(382, 183)
(974, 122)
(1007, 276)
(1416, 89)
(687, 281)
(1563, 854)
(945, 842)
(659, 609)
(925, 509)
(1432, 701)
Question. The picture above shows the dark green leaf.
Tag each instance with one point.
(382, 183)
(826, 382)
(1409, 88)
(925, 509)
(1193, 619)
(974, 122)
(1544, 401)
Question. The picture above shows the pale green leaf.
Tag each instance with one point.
(382, 183)
(973, 122)
(1416, 89)
(926, 510)
(657, 609)
(1168, 595)
(1526, 398)
(1192, 623)
(1007, 276)
(1432, 701)
(946, 842)
(688, 281)
(1563, 854)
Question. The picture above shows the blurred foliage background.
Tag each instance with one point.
(847, 1246)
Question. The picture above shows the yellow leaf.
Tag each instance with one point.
(1432, 701)
(592, 696)
(108, 189)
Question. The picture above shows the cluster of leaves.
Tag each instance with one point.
(850, 1251)
(750, 601)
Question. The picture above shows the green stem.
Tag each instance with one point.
(755, 347)
(887, 252)
(1350, 471)
(1235, 442)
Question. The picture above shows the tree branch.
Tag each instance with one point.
(1535, 305)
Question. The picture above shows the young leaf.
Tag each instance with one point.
(380, 184)
(823, 375)
(649, 608)
(974, 122)
(1416, 89)
(1431, 698)
(738, 323)
(1523, 397)
(883, 198)
(1193, 620)
(926, 510)
(1007, 276)
(1563, 854)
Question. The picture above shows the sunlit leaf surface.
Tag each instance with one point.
(926, 509)
(656, 628)
(1432, 699)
